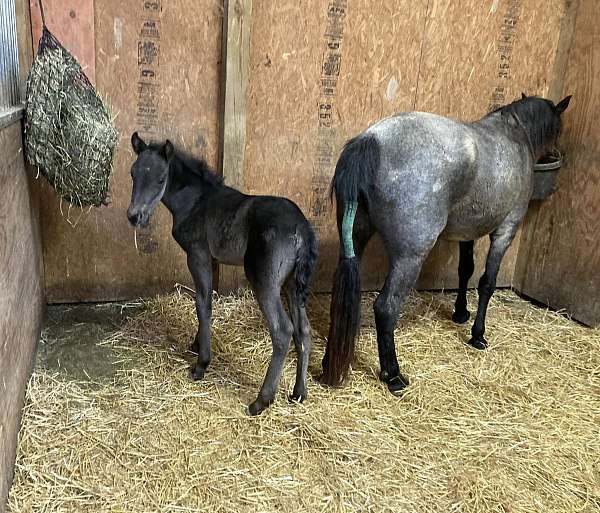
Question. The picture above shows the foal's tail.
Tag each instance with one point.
(353, 175)
(306, 260)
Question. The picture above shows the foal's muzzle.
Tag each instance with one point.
(137, 216)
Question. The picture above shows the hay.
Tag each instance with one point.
(69, 133)
(513, 429)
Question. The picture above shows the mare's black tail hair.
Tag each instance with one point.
(351, 185)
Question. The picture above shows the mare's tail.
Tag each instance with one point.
(353, 176)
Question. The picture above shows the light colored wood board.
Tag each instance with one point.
(72, 22)
(563, 267)
(475, 57)
(236, 56)
(565, 42)
(21, 295)
(96, 259)
(438, 56)
(287, 153)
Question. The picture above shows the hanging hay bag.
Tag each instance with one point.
(69, 134)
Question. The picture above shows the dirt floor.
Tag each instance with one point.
(112, 423)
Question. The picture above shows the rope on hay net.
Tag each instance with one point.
(69, 133)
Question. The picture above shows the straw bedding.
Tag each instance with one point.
(515, 428)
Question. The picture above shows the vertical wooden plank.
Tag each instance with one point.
(562, 261)
(24, 39)
(21, 295)
(72, 22)
(237, 24)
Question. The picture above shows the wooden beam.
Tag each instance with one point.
(236, 56)
(23, 16)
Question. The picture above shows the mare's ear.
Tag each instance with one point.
(137, 143)
(523, 96)
(563, 104)
(168, 150)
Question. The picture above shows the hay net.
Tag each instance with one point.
(69, 133)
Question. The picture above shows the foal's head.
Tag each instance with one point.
(150, 173)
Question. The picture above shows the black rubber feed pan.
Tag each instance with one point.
(544, 175)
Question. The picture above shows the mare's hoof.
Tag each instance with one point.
(461, 317)
(398, 384)
(255, 408)
(196, 374)
(395, 384)
(194, 348)
(478, 343)
(297, 398)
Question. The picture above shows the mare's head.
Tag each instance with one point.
(541, 120)
(150, 173)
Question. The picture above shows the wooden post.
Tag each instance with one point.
(236, 56)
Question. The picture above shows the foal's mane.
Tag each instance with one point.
(537, 118)
(187, 164)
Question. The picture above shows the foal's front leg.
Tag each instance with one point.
(200, 266)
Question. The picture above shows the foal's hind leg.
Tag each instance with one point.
(280, 329)
(499, 242)
(466, 267)
(302, 342)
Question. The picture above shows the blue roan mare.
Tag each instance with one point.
(269, 236)
(417, 177)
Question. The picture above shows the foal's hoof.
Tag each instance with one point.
(461, 317)
(196, 373)
(255, 408)
(478, 343)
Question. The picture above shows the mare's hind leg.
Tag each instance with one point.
(403, 273)
(499, 242)
(302, 343)
(466, 267)
(408, 240)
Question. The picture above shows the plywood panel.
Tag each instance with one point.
(160, 73)
(477, 56)
(314, 83)
(72, 22)
(21, 293)
(342, 65)
(562, 267)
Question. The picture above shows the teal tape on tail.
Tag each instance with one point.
(347, 226)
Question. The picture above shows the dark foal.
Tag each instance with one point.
(269, 236)
(417, 177)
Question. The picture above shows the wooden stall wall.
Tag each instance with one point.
(341, 65)
(21, 294)
(157, 63)
(559, 258)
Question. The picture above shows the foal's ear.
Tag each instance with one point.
(523, 96)
(168, 150)
(138, 144)
(562, 105)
